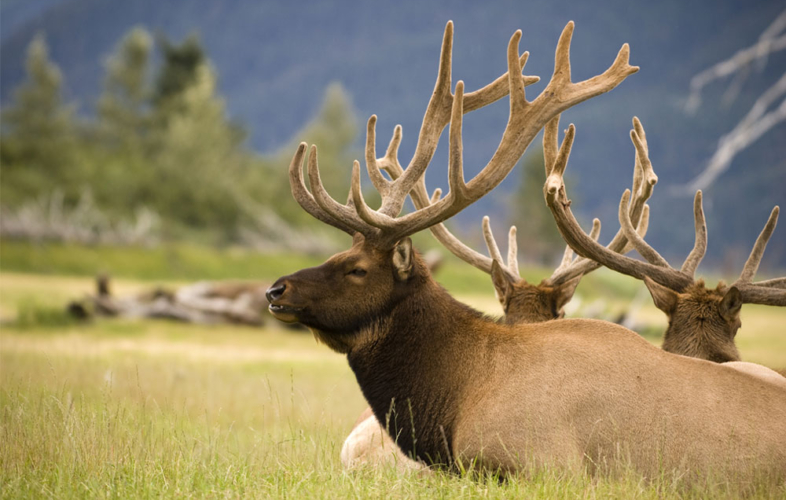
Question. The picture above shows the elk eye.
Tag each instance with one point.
(357, 272)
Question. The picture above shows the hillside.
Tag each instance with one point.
(276, 58)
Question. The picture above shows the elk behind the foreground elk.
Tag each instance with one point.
(460, 390)
(703, 322)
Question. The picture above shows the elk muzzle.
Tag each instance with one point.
(279, 307)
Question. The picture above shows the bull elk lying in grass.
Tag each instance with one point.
(703, 322)
(522, 302)
(460, 390)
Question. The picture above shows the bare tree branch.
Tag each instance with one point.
(749, 130)
(758, 120)
(767, 44)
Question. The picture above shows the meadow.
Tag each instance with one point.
(150, 409)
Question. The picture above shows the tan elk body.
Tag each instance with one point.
(568, 392)
(461, 390)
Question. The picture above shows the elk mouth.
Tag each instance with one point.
(285, 313)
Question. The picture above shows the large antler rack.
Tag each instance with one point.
(526, 118)
(656, 268)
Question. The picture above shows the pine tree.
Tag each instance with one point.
(201, 157)
(124, 105)
(38, 136)
(180, 68)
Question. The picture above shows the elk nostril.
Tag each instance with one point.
(275, 292)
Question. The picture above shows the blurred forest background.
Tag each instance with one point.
(136, 123)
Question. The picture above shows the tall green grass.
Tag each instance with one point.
(125, 417)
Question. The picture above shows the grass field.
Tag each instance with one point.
(148, 409)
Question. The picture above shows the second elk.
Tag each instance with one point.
(703, 321)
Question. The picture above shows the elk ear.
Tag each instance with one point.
(402, 259)
(731, 303)
(564, 292)
(665, 298)
(503, 283)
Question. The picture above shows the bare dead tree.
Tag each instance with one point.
(765, 113)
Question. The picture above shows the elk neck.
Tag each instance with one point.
(415, 366)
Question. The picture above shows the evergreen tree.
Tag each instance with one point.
(180, 68)
(201, 158)
(38, 136)
(123, 107)
(120, 148)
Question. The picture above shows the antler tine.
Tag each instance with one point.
(567, 260)
(381, 184)
(497, 89)
(305, 198)
(700, 246)
(770, 292)
(550, 144)
(752, 264)
(389, 162)
(513, 246)
(595, 231)
(458, 189)
(644, 178)
(646, 251)
(494, 252)
(644, 224)
(573, 93)
(491, 242)
(343, 213)
(639, 139)
(555, 181)
(773, 283)
(559, 204)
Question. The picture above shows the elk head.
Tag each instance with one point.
(702, 321)
(357, 288)
(349, 291)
